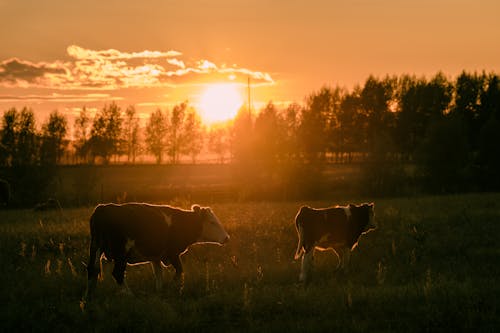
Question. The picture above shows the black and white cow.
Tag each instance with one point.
(337, 228)
(135, 233)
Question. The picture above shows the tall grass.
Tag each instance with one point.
(431, 265)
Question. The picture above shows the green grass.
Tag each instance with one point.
(433, 265)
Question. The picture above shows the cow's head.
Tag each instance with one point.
(212, 230)
(371, 225)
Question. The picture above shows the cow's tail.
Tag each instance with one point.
(93, 263)
(300, 233)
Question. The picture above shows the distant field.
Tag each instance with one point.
(82, 184)
(433, 265)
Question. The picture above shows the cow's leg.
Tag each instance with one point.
(93, 268)
(338, 253)
(157, 272)
(306, 267)
(119, 275)
(106, 268)
(179, 272)
(346, 259)
(176, 262)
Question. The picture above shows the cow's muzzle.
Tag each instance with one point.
(225, 240)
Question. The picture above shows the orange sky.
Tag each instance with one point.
(61, 54)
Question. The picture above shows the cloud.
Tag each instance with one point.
(55, 97)
(78, 52)
(18, 72)
(112, 69)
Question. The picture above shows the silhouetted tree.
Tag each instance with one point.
(291, 122)
(193, 135)
(131, 133)
(444, 154)
(489, 154)
(313, 129)
(218, 141)
(242, 139)
(376, 96)
(53, 139)
(468, 89)
(269, 137)
(489, 99)
(352, 125)
(156, 135)
(106, 132)
(8, 140)
(81, 135)
(26, 151)
(420, 102)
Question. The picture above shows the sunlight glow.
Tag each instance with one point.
(219, 102)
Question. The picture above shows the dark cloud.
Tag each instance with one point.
(15, 70)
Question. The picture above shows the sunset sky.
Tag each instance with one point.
(60, 54)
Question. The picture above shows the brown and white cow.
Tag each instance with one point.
(136, 233)
(337, 228)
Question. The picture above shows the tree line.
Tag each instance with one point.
(447, 129)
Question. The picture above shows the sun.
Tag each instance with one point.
(220, 102)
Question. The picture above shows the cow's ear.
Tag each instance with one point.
(196, 208)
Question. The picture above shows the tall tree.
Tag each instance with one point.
(106, 132)
(242, 138)
(376, 97)
(81, 134)
(420, 103)
(269, 137)
(27, 139)
(468, 89)
(291, 121)
(54, 142)
(352, 125)
(218, 141)
(8, 140)
(131, 133)
(175, 131)
(156, 135)
(193, 134)
(314, 123)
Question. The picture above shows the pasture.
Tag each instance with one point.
(432, 265)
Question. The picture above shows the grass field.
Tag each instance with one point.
(433, 265)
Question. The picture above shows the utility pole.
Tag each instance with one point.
(249, 100)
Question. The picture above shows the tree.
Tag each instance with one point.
(26, 151)
(269, 137)
(82, 135)
(175, 131)
(444, 154)
(352, 125)
(420, 103)
(156, 135)
(193, 135)
(8, 140)
(291, 121)
(131, 133)
(242, 139)
(106, 132)
(53, 139)
(376, 96)
(218, 141)
(489, 99)
(468, 89)
(313, 128)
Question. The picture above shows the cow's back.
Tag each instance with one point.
(114, 225)
(316, 223)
